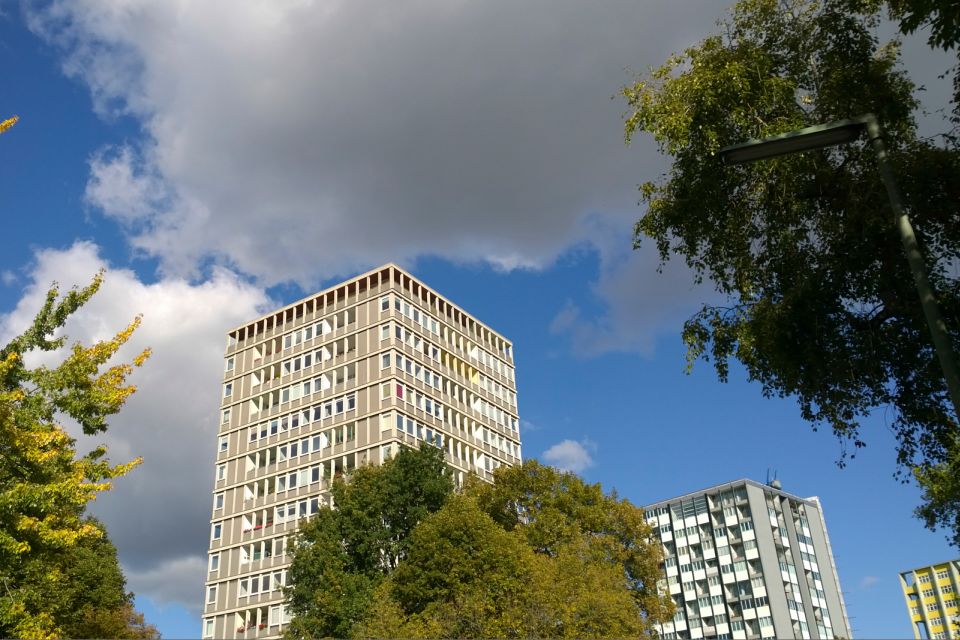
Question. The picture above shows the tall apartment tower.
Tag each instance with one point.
(337, 380)
(931, 594)
(747, 560)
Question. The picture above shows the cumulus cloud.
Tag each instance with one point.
(301, 140)
(570, 455)
(158, 514)
(121, 189)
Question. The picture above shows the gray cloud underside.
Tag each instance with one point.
(301, 140)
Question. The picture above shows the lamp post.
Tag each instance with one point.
(842, 132)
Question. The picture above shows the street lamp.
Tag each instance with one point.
(842, 132)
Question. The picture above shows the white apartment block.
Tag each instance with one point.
(337, 380)
(745, 560)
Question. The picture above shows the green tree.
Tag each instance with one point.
(819, 302)
(44, 485)
(538, 554)
(554, 511)
(94, 602)
(342, 555)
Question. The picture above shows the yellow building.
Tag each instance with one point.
(931, 594)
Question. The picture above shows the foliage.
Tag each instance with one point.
(9, 122)
(556, 511)
(44, 486)
(93, 602)
(819, 302)
(941, 18)
(341, 556)
(467, 577)
(538, 554)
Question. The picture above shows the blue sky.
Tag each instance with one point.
(222, 158)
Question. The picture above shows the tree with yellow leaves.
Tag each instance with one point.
(45, 485)
(9, 122)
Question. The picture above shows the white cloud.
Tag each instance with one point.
(868, 581)
(158, 514)
(120, 189)
(8, 278)
(301, 140)
(570, 455)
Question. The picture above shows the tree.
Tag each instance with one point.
(44, 485)
(556, 511)
(819, 302)
(6, 124)
(94, 602)
(538, 554)
(342, 555)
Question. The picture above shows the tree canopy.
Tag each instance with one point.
(818, 298)
(51, 554)
(342, 555)
(538, 554)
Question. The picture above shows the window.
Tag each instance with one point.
(221, 472)
(942, 575)
(947, 588)
(924, 578)
(208, 628)
(214, 561)
(230, 363)
(225, 417)
(228, 390)
(932, 607)
(224, 443)
(218, 501)
(384, 304)
(928, 593)
(211, 594)
(217, 530)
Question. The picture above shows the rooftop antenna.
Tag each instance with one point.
(773, 482)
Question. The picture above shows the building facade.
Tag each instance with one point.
(931, 595)
(337, 380)
(747, 560)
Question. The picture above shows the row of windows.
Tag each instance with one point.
(253, 619)
(424, 319)
(412, 340)
(337, 321)
(263, 583)
(413, 368)
(263, 549)
(297, 419)
(408, 425)
(413, 397)
(432, 379)
(411, 311)
(482, 356)
(303, 389)
(496, 414)
(493, 387)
